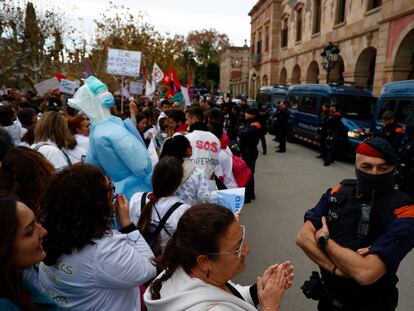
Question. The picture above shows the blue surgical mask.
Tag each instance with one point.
(106, 98)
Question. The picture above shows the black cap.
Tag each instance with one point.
(252, 111)
(384, 147)
(387, 115)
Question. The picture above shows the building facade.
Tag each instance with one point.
(234, 70)
(375, 38)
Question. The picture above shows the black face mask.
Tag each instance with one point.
(379, 183)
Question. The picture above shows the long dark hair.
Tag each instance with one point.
(11, 286)
(27, 174)
(166, 178)
(198, 232)
(176, 146)
(75, 210)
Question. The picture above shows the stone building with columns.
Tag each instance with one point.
(234, 70)
(375, 38)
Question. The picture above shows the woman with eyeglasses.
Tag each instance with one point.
(207, 250)
(90, 266)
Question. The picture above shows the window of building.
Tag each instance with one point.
(299, 24)
(317, 15)
(267, 39)
(259, 44)
(372, 4)
(253, 44)
(285, 33)
(341, 6)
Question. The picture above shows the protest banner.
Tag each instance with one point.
(68, 87)
(124, 62)
(136, 88)
(232, 199)
(46, 86)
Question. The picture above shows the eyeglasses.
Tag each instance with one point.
(237, 251)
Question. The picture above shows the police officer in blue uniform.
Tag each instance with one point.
(358, 233)
(392, 131)
(406, 162)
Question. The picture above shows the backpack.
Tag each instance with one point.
(241, 171)
(152, 234)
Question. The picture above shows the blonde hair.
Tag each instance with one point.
(52, 126)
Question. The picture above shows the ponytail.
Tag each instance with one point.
(146, 213)
(169, 261)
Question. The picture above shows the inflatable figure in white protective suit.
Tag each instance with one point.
(115, 145)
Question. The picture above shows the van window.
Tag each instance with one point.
(405, 111)
(309, 104)
(355, 106)
(263, 99)
(293, 102)
(387, 105)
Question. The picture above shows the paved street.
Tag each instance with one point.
(286, 186)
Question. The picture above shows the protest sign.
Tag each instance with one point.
(232, 199)
(136, 88)
(46, 86)
(68, 87)
(123, 62)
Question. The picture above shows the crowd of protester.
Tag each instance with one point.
(70, 242)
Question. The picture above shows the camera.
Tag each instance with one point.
(313, 288)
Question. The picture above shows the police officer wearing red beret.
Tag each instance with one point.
(358, 233)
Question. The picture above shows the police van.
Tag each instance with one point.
(270, 96)
(397, 97)
(305, 106)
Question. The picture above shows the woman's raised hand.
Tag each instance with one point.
(122, 211)
(271, 293)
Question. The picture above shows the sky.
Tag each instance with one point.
(173, 16)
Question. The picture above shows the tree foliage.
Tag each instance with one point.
(35, 44)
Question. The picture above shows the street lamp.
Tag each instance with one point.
(329, 55)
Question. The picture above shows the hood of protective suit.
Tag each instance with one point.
(93, 99)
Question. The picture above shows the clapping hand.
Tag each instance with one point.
(270, 293)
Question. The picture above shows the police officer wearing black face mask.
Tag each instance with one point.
(358, 234)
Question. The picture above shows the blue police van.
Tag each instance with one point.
(305, 106)
(397, 97)
(270, 96)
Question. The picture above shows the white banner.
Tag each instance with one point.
(46, 86)
(68, 87)
(233, 199)
(186, 96)
(123, 62)
(136, 88)
(149, 88)
(157, 74)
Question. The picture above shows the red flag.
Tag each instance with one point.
(166, 80)
(188, 83)
(144, 73)
(174, 79)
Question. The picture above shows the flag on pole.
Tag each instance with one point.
(157, 74)
(175, 80)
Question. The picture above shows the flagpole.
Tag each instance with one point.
(122, 95)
